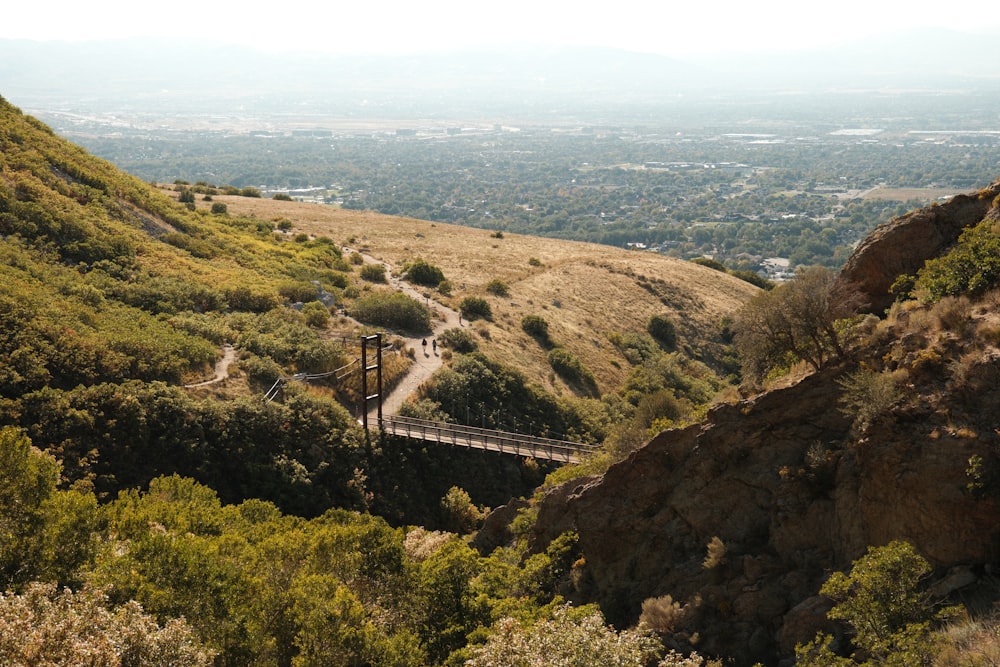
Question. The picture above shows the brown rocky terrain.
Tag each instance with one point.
(795, 489)
(902, 245)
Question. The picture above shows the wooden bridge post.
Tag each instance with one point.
(365, 369)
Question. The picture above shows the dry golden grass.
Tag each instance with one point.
(904, 194)
(584, 291)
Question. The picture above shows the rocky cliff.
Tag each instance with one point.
(793, 488)
(902, 245)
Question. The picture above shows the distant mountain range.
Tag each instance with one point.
(140, 73)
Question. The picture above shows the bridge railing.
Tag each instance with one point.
(504, 442)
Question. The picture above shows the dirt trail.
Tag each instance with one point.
(221, 367)
(427, 358)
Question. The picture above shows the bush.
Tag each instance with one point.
(459, 340)
(394, 311)
(281, 196)
(661, 327)
(47, 626)
(474, 307)
(218, 208)
(882, 600)
(570, 637)
(971, 267)
(421, 272)
(536, 327)
(301, 292)
(571, 369)
(316, 314)
(867, 394)
(497, 287)
(373, 273)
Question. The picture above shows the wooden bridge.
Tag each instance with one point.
(459, 435)
(443, 433)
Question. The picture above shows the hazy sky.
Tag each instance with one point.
(681, 27)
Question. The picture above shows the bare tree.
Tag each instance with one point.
(796, 320)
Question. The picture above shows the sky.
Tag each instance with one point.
(678, 29)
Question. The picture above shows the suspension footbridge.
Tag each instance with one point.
(438, 432)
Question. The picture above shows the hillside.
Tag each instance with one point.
(201, 520)
(115, 298)
(795, 483)
(584, 291)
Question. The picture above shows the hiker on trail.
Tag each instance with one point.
(424, 343)
(434, 344)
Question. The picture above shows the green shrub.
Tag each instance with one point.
(420, 272)
(662, 328)
(883, 602)
(281, 196)
(867, 394)
(571, 369)
(301, 292)
(971, 267)
(497, 287)
(316, 314)
(536, 327)
(392, 310)
(459, 340)
(474, 307)
(373, 273)
(710, 263)
(218, 208)
(249, 192)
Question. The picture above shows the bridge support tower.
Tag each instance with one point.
(365, 370)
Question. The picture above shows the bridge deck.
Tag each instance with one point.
(459, 435)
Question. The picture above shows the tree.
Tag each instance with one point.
(572, 637)
(795, 320)
(44, 626)
(44, 533)
(884, 604)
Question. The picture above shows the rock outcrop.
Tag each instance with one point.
(793, 492)
(902, 245)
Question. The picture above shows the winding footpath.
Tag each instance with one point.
(427, 359)
(221, 367)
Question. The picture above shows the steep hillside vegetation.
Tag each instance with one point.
(115, 298)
